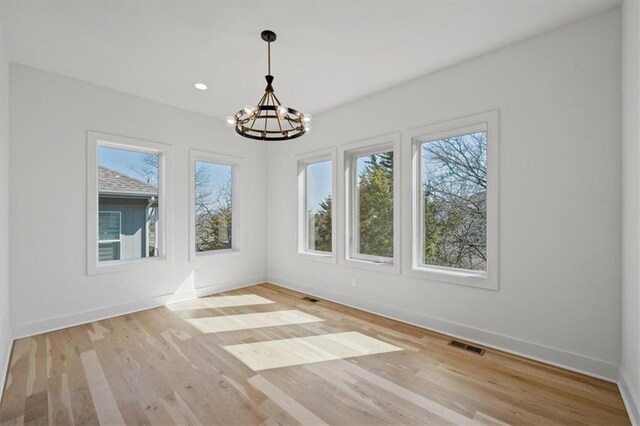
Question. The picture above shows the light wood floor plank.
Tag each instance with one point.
(169, 365)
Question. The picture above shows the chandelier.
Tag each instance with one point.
(269, 120)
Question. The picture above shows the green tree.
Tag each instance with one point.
(375, 202)
(320, 226)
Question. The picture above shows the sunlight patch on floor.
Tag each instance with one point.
(305, 350)
(250, 321)
(219, 302)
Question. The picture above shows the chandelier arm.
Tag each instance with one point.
(277, 119)
(262, 99)
(290, 123)
(253, 121)
(276, 98)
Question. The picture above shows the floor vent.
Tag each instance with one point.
(310, 299)
(466, 347)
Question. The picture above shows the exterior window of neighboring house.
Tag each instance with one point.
(213, 206)
(373, 201)
(109, 231)
(128, 209)
(455, 204)
(127, 204)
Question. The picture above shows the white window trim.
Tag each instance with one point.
(414, 138)
(95, 140)
(303, 161)
(236, 231)
(348, 154)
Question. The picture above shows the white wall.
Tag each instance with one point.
(5, 328)
(630, 369)
(558, 97)
(50, 116)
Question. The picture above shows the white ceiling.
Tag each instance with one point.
(327, 53)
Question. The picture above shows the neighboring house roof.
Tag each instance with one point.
(116, 183)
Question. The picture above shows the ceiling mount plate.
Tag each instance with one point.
(268, 36)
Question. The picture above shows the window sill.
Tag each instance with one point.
(113, 266)
(466, 278)
(214, 253)
(370, 265)
(317, 257)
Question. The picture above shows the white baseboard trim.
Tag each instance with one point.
(630, 398)
(5, 355)
(556, 357)
(84, 317)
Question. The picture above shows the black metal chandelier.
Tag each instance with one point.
(269, 120)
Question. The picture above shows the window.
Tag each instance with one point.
(455, 205)
(316, 235)
(126, 223)
(109, 231)
(213, 206)
(373, 200)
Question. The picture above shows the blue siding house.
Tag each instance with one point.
(128, 217)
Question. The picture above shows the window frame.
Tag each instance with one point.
(302, 247)
(487, 279)
(95, 140)
(225, 160)
(349, 154)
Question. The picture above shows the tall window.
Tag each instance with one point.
(128, 200)
(213, 206)
(127, 215)
(317, 220)
(372, 202)
(455, 205)
(454, 201)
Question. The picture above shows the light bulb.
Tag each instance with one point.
(306, 118)
(249, 110)
(307, 128)
(282, 110)
(200, 86)
(230, 121)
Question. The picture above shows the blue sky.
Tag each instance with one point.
(125, 162)
(318, 183)
(128, 162)
(217, 176)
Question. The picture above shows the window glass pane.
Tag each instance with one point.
(108, 226)
(213, 207)
(374, 205)
(454, 185)
(109, 251)
(318, 197)
(127, 188)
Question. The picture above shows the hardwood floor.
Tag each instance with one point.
(169, 365)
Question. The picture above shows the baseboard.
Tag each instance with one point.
(5, 355)
(630, 398)
(556, 357)
(84, 317)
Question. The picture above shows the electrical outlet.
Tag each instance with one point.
(354, 282)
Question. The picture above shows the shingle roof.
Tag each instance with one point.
(112, 182)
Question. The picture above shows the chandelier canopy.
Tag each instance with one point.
(269, 120)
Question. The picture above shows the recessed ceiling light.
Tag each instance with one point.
(200, 86)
